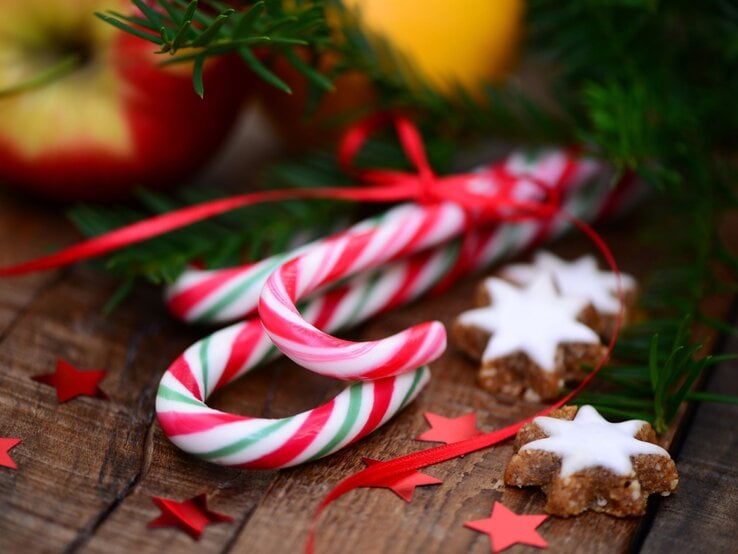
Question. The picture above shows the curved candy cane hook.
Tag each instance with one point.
(422, 227)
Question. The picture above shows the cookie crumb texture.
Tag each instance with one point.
(594, 488)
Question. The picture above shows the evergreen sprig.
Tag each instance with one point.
(657, 366)
(240, 236)
(197, 30)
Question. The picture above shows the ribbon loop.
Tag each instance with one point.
(423, 186)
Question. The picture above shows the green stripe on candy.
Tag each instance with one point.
(204, 345)
(452, 255)
(237, 446)
(372, 282)
(351, 415)
(236, 292)
(169, 394)
(413, 386)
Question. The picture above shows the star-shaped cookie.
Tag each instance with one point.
(584, 462)
(581, 277)
(529, 340)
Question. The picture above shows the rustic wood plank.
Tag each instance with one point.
(24, 234)
(281, 388)
(78, 458)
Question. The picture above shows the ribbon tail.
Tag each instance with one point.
(375, 474)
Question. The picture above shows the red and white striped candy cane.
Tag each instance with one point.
(270, 443)
(223, 295)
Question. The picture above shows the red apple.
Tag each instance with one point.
(116, 121)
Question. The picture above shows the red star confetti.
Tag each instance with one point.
(449, 430)
(506, 528)
(403, 485)
(191, 516)
(6, 445)
(71, 382)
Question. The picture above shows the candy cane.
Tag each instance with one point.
(269, 443)
(222, 295)
(229, 353)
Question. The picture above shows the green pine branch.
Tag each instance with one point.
(241, 236)
(197, 30)
(657, 368)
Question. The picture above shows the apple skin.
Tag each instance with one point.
(170, 132)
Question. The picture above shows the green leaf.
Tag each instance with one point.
(316, 77)
(181, 35)
(127, 28)
(197, 77)
(212, 31)
(198, 15)
(701, 396)
(247, 20)
(189, 13)
(261, 70)
(151, 14)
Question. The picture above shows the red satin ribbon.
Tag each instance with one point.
(385, 185)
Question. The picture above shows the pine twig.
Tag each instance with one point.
(198, 30)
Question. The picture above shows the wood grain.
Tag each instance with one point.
(88, 468)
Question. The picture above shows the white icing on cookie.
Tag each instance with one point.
(580, 277)
(589, 440)
(533, 320)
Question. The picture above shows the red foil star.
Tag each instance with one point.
(71, 382)
(449, 430)
(403, 485)
(191, 516)
(5, 446)
(506, 528)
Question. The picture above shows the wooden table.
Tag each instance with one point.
(88, 468)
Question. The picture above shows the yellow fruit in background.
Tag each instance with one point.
(448, 41)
